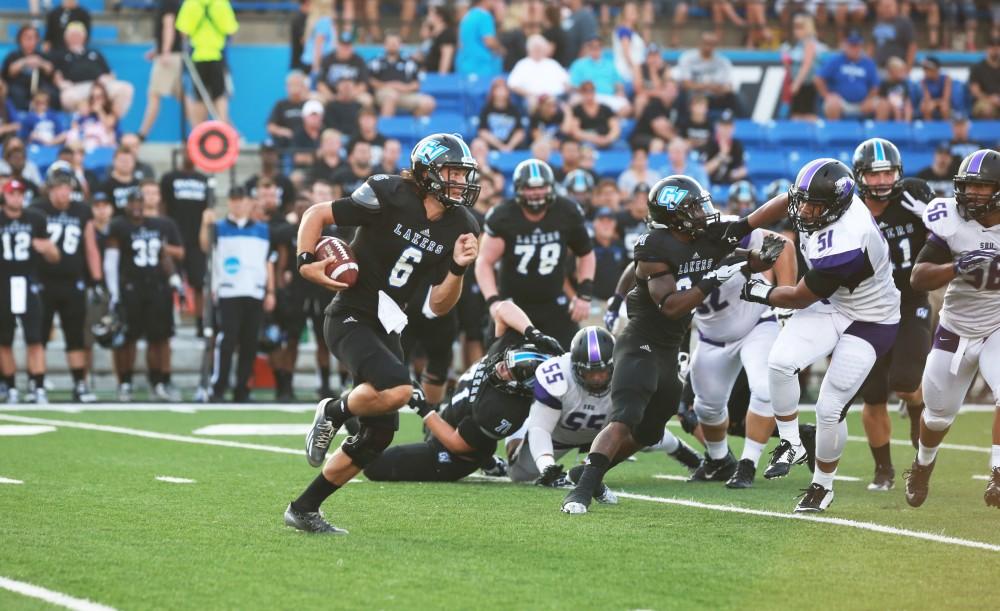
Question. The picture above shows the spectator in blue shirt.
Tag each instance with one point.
(479, 51)
(848, 82)
(935, 100)
(594, 67)
(41, 125)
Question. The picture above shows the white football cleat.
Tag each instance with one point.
(574, 508)
(606, 496)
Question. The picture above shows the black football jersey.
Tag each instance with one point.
(533, 265)
(688, 261)
(185, 196)
(19, 257)
(480, 412)
(397, 247)
(140, 246)
(905, 232)
(65, 229)
(118, 191)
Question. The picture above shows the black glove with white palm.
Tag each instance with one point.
(726, 269)
(552, 477)
(770, 249)
(544, 343)
(757, 291)
(418, 401)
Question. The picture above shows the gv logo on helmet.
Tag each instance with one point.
(671, 196)
(843, 186)
(431, 150)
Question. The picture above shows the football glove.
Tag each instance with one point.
(613, 311)
(683, 364)
(732, 232)
(544, 343)
(418, 401)
(499, 468)
(689, 420)
(771, 249)
(972, 260)
(726, 269)
(552, 477)
(756, 291)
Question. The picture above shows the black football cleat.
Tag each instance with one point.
(783, 458)
(885, 479)
(743, 478)
(814, 499)
(918, 479)
(715, 470)
(686, 455)
(310, 522)
(320, 435)
(992, 495)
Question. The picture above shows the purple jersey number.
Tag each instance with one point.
(988, 279)
(824, 240)
(937, 211)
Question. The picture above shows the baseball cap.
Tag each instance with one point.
(100, 197)
(855, 38)
(653, 48)
(312, 107)
(604, 213)
(942, 147)
(931, 61)
(14, 185)
(346, 37)
(642, 187)
(237, 192)
(726, 116)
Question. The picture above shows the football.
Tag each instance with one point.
(341, 264)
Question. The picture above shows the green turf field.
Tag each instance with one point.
(91, 521)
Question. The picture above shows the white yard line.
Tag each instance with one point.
(983, 478)
(51, 596)
(684, 478)
(23, 430)
(869, 526)
(174, 480)
(7, 480)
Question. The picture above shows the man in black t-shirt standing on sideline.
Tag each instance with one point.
(165, 75)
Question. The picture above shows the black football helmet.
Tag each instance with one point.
(678, 202)
(592, 351)
(534, 174)
(578, 182)
(979, 168)
(877, 155)
(428, 161)
(521, 362)
(110, 330)
(742, 197)
(775, 188)
(822, 182)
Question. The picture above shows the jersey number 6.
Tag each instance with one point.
(404, 266)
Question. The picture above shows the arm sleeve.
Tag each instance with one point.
(542, 420)
(348, 213)
(111, 258)
(822, 283)
(578, 239)
(935, 250)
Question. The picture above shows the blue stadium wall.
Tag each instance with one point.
(259, 70)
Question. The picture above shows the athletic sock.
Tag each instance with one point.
(125, 377)
(78, 375)
(789, 431)
(824, 479)
(925, 455)
(154, 377)
(37, 380)
(337, 411)
(593, 472)
(883, 459)
(324, 377)
(165, 377)
(752, 451)
(995, 457)
(914, 412)
(669, 443)
(11, 382)
(199, 325)
(717, 450)
(318, 491)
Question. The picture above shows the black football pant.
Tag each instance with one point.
(239, 320)
(426, 461)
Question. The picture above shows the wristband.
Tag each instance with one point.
(455, 268)
(304, 258)
(491, 300)
(585, 290)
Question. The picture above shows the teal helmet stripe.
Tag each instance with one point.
(879, 151)
(525, 356)
(465, 147)
(534, 169)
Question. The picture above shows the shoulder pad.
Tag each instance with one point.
(365, 197)
(915, 194)
(553, 374)
(941, 217)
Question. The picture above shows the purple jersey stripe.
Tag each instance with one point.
(841, 264)
(807, 173)
(593, 347)
(976, 163)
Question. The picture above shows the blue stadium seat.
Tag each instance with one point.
(450, 123)
(897, 132)
(99, 159)
(931, 132)
(446, 89)
(264, 6)
(505, 163)
(751, 133)
(400, 128)
(791, 132)
(987, 132)
(767, 163)
(43, 156)
(611, 162)
(844, 133)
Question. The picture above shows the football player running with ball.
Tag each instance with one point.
(848, 306)
(677, 265)
(412, 229)
(897, 204)
(962, 253)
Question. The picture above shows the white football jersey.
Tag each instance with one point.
(723, 316)
(854, 245)
(971, 302)
(582, 415)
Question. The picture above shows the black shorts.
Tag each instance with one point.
(213, 75)
(296, 313)
(473, 318)
(433, 338)
(426, 461)
(370, 354)
(68, 299)
(552, 319)
(901, 369)
(148, 311)
(31, 320)
(645, 391)
(194, 266)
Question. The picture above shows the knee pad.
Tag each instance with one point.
(367, 444)
(760, 407)
(709, 414)
(830, 441)
(778, 364)
(937, 421)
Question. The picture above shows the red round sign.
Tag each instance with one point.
(213, 146)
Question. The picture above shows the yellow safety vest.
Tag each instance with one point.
(207, 23)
